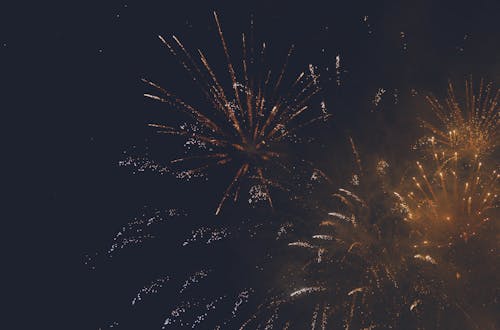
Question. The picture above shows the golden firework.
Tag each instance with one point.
(248, 114)
(446, 202)
(466, 125)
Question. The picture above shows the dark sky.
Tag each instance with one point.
(71, 74)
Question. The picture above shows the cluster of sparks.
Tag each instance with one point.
(451, 204)
(453, 192)
(247, 117)
(450, 199)
(468, 125)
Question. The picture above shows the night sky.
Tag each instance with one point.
(71, 76)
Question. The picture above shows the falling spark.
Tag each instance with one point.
(355, 291)
(307, 290)
(378, 96)
(426, 258)
(415, 304)
(404, 43)
(342, 217)
(324, 237)
(302, 244)
(153, 288)
(367, 23)
(337, 69)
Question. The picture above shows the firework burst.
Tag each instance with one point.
(358, 268)
(365, 239)
(454, 192)
(247, 117)
(451, 206)
(468, 125)
(447, 202)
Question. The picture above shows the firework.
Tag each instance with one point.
(365, 241)
(452, 196)
(467, 126)
(356, 271)
(446, 202)
(247, 116)
(451, 206)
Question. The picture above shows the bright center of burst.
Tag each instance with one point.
(252, 151)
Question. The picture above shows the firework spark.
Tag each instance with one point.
(247, 117)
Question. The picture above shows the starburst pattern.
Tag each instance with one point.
(246, 118)
(358, 254)
(448, 203)
(468, 125)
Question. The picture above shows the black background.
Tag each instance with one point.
(72, 104)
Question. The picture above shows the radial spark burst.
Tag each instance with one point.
(465, 125)
(447, 203)
(357, 269)
(453, 215)
(250, 110)
(360, 257)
